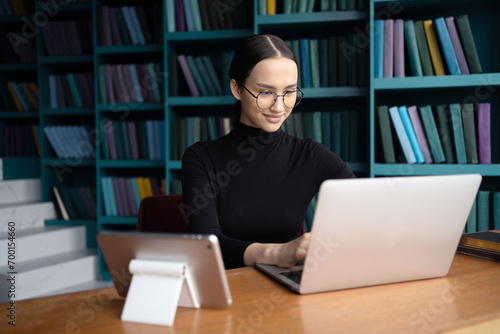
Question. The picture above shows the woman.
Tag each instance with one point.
(251, 188)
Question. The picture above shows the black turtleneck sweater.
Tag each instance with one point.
(253, 186)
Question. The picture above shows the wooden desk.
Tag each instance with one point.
(469, 295)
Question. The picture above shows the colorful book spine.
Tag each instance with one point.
(402, 135)
(419, 131)
(457, 45)
(388, 48)
(413, 53)
(483, 113)
(447, 46)
(405, 118)
(399, 48)
(437, 62)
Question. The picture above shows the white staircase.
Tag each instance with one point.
(46, 260)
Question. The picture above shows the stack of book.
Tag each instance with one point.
(454, 133)
(71, 90)
(485, 212)
(125, 83)
(271, 7)
(20, 96)
(334, 61)
(122, 195)
(338, 131)
(485, 244)
(185, 131)
(434, 47)
(200, 15)
(200, 74)
(75, 202)
(128, 140)
(12, 52)
(16, 7)
(67, 38)
(70, 141)
(129, 25)
(20, 140)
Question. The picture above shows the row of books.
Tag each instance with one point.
(454, 133)
(20, 140)
(15, 48)
(330, 62)
(482, 244)
(122, 195)
(271, 7)
(338, 131)
(71, 90)
(485, 212)
(434, 47)
(75, 202)
(19, 96)
(70, 141)
(185, 131)
(200, 74)
(200, 15)
(16, 7)
(128, 140)
(129, 25)
(125, 83)
(68, 38)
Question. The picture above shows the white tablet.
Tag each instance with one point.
(200, 252)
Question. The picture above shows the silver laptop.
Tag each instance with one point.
(382, 230)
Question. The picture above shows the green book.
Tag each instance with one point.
(124, 134)
(332, 61)
(326, 129)
(333, 5)
(181, 139)
(290, 124)
(143, 24)
(496, 210)
(103, 137)
(344, 136)
(336, 133)
(471, 225)
(324, 5)
(142, 139)
(352, 62)
(68, 204)
(458, 133)
(117, 130)
(323, 62)
(469, 46)
(469, 125)
(204, 131)
(317, 127)
(385, 134)
(205, 76)
(483, 210)
(351, 4)
(197, 75)
(174, 147)
(151, 69)
(307, 121)
(196, 129)
(423, 49)
(78, 203)
(411, 43)
(287, 6)
(122, 26)
(343, 63)
(432, 134)
(170, 11)
(212, 127)
(445, 133)
(212, 75)
(310, 6)
(302, 6)
(103, 93)
(342, 5)
(298, 124)
(314, 59)
(295, 45)
(262, 7)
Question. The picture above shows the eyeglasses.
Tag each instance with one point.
(266, 100)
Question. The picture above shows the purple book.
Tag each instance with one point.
(180, 22)
(388, 48)
(118, 199)
(132, 136)
(123, 94)
(457, 45)
(106, 26)
(129, 196)
(111, 140)
(109, 83)
(419, 131)
(399, 48)
(154, 186)
(127, 82)
(86, 202)
(188, 75)
(115, 32)
(484, 132)
(123, 196)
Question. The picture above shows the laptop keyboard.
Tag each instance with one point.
(295, 275)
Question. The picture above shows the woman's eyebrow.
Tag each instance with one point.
(272, 87)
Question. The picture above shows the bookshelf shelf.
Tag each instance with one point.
(131, 163)
(68, 111)
(19, 115)
(205, 37)
(200, 100)
(433, 169)
(117, 220)
(66, 60)
(316, 18)
(129, 107)
(334, 92)
(445, 81)
(124, 49)
(70, 162)
(174, 164)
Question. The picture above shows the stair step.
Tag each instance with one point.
(22, 191)
(26, 216)
(39, 242)
(43, 276)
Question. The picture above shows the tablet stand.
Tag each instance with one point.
(156, 289)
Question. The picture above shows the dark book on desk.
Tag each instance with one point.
(484, 244)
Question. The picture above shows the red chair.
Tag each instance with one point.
(162, 213)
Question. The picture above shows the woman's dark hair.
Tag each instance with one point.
(250, 51)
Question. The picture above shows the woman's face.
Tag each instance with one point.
(272, 75)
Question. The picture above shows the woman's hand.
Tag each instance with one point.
(283, 255)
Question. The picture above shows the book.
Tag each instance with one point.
(458, 133)
(419, 131)
(402, 135)
(447, 46)
(471, 224)
(469, 127)
(483, 210)
(457, 45)
(399, 48)
(405, 118)
(437, 62)
(186, 71)
(60, 204)
(432, 134)
(385, 134)
(483, 244)
(465, 32)
(388, 48)
(445, 134)
(484, 132)
(413, 52)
